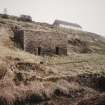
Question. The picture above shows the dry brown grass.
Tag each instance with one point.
(3, 70)
(6, 53)
(34, 92)
(24, 80)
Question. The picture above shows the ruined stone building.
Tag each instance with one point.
(44, 42)
(64, 24)
(41, 42)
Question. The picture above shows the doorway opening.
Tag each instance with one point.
(39, 50)
(57, 50)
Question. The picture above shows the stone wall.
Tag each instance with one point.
(18, 38)
(45, 43)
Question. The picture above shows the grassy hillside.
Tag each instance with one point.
(76, 79)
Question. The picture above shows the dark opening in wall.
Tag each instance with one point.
(101, 83)
(19, 38)
(95, 81)
(39, 50)
(57, 50)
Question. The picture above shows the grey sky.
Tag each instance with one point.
(90, 14)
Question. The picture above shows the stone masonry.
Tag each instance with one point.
(45, 43)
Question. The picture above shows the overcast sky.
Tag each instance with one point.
(90, 14)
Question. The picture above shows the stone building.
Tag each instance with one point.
(64, 24)
(45, 43)
(41, 42)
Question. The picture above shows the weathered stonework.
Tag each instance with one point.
(18, 38)
(45, 43)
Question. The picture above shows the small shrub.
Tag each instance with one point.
(25, 18)
(5, 16)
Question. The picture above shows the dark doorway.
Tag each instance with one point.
(39, 50)
(18, 38)
(57, 50)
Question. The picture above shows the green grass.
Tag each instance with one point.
(77, 63)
